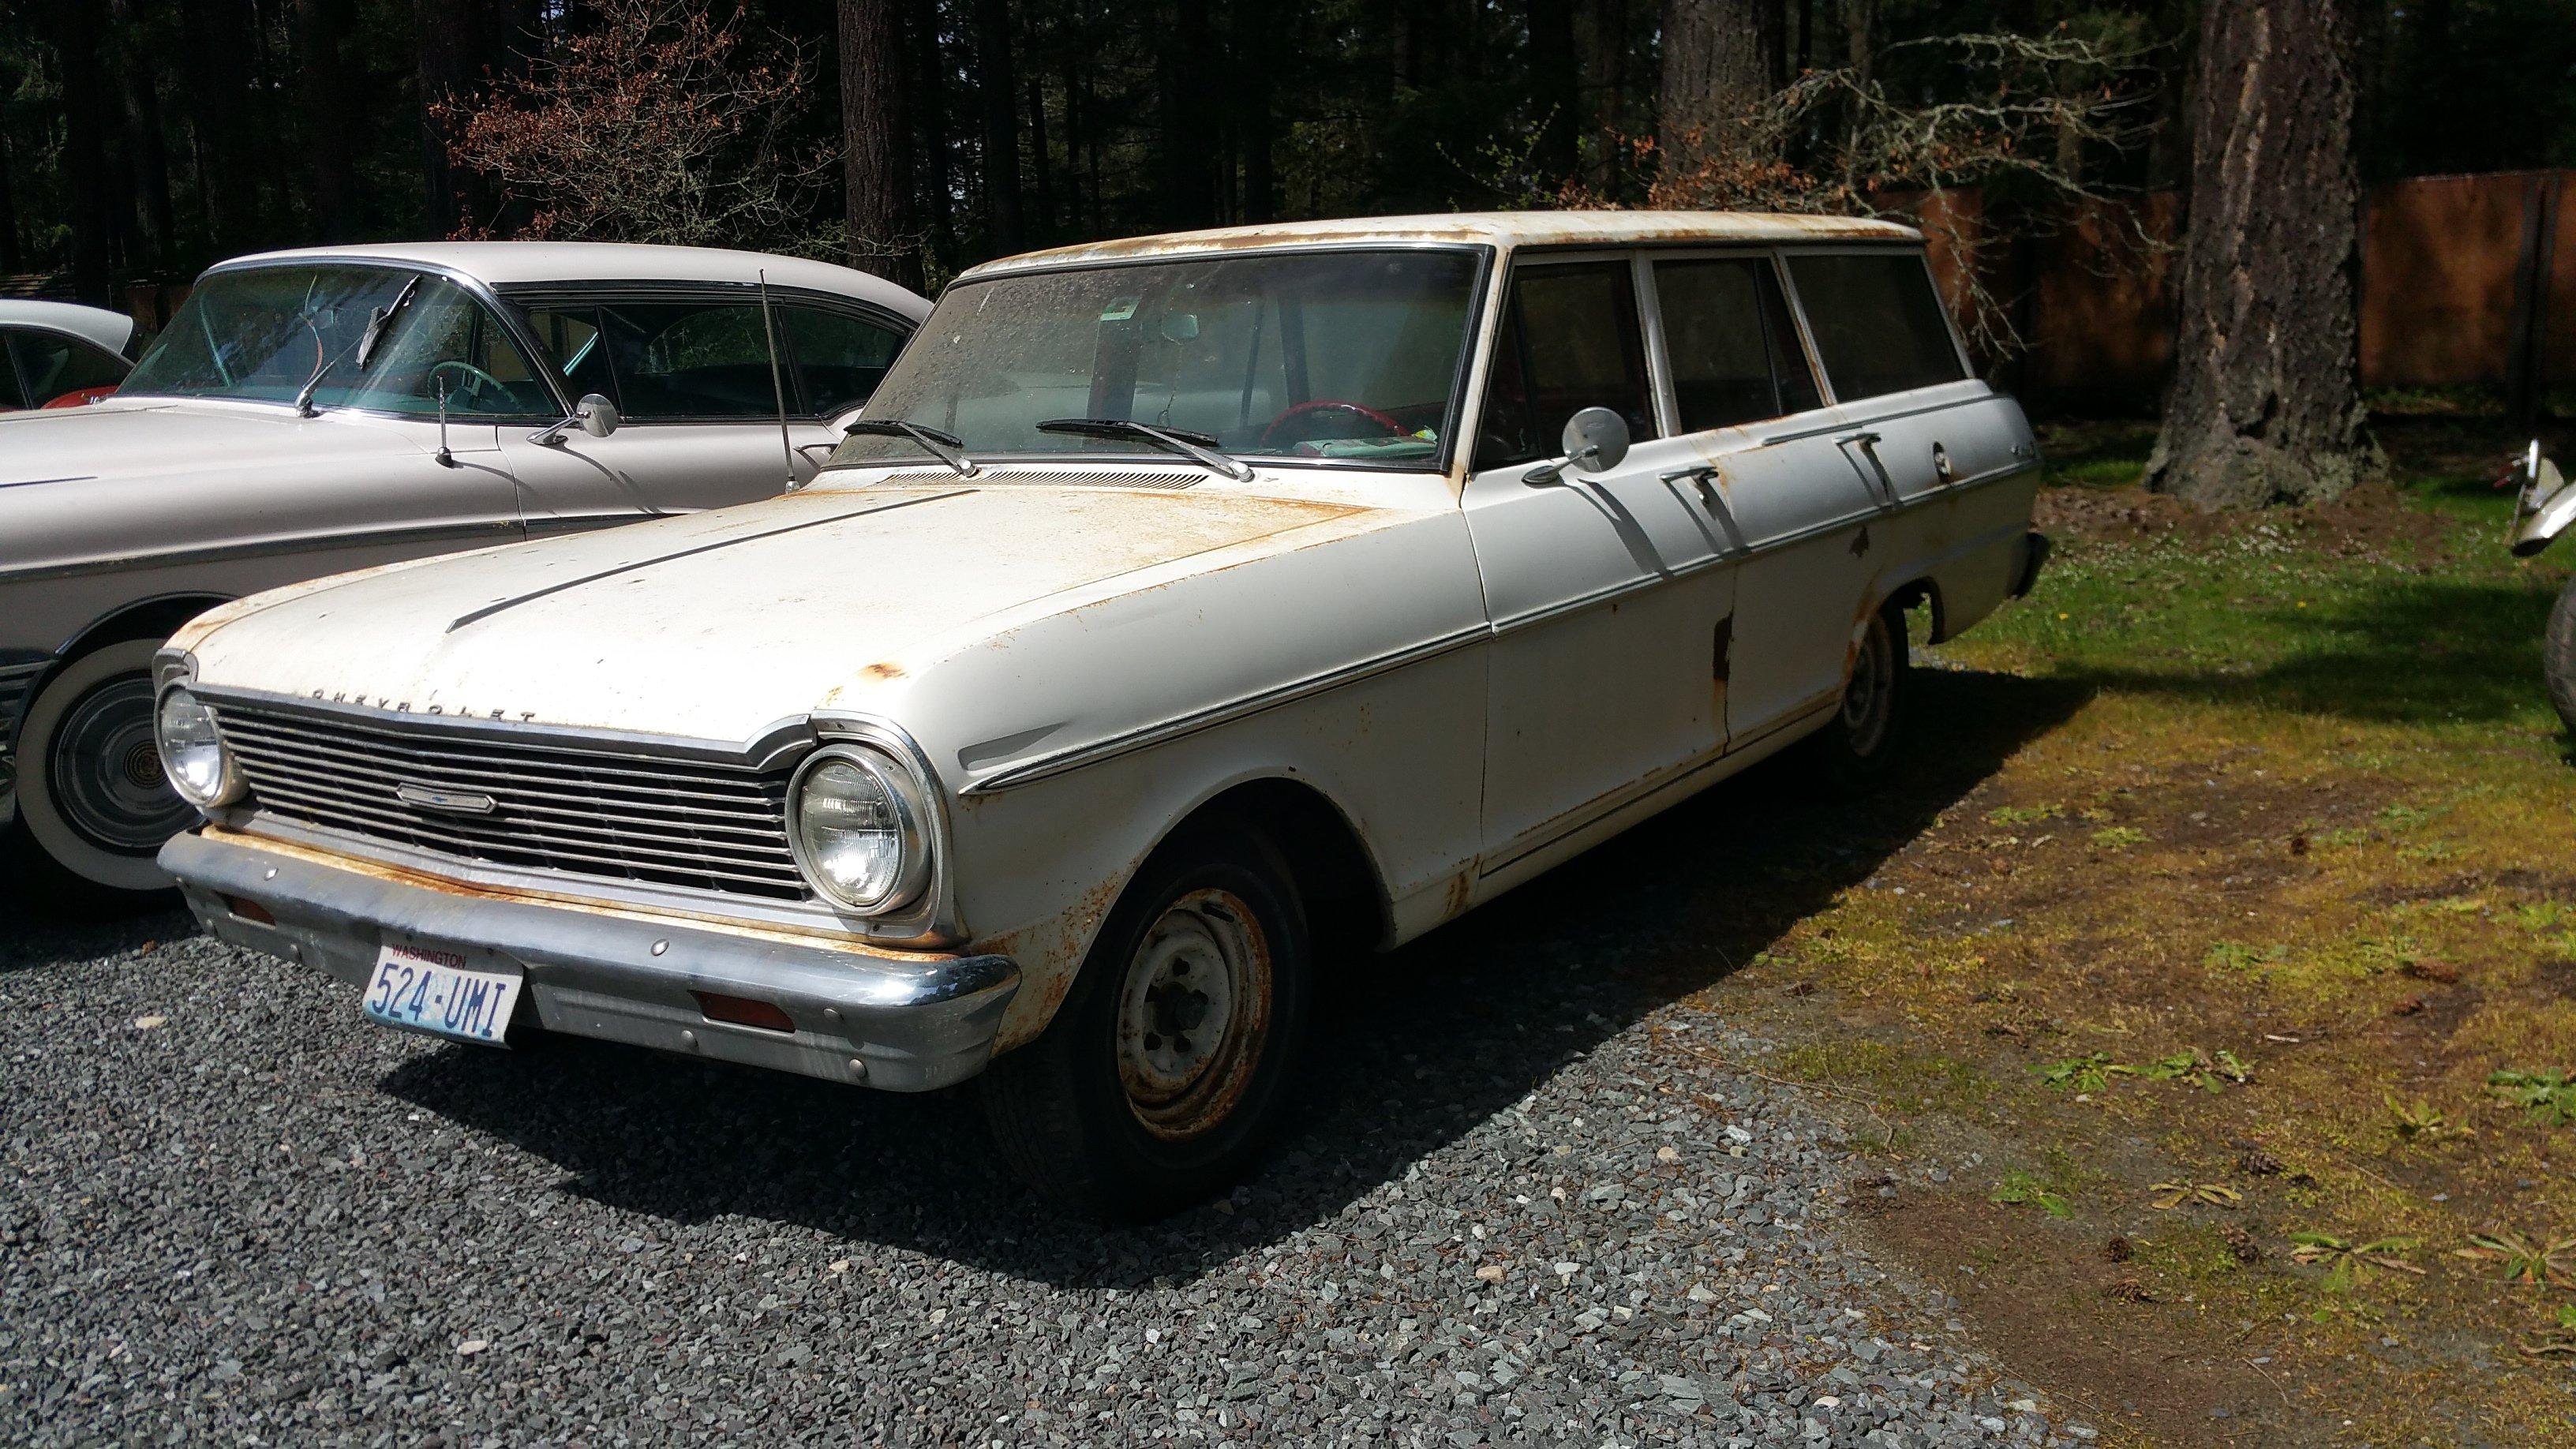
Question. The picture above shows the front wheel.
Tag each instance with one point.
(1166, 1065)
(93, 806)
(1857, 748)
(2558, 654)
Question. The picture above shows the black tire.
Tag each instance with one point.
(1094, 1113)
(92, 807)
(1862, 743)
(2558, 654)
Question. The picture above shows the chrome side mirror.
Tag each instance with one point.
(594, 415)
(1595, 441)
(597, 415)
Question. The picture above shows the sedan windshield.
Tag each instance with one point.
(1348, 355)
(264, 333)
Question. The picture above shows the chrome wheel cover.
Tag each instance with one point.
(105, 774)
(1193, 1013)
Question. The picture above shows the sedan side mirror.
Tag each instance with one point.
(1595, 441)
(598, 416)
(594, 415)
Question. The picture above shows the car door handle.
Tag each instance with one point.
(1876, 474)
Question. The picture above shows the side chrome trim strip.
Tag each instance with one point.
(1145, 736)
(1047, 766)
(1608, 592)
(498, 530)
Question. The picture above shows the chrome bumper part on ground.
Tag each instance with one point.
(898, 1022)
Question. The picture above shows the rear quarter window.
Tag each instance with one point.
(1878, 325)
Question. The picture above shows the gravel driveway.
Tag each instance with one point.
(230, 1209)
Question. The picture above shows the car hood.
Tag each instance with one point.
(127, 438)
(717, 625)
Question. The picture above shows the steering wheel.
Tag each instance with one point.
(1362, 411)
(476, 379)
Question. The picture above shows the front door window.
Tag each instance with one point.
(1569, 341)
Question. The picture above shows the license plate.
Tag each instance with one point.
(447, 990)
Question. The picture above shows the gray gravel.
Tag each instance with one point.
(230, 1209)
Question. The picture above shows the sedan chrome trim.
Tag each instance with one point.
(499, 530)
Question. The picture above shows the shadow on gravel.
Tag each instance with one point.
(1414, 1050)
(36, 939)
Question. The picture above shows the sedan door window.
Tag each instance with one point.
(666, 361)
(840, 359)
(1569, 341)
(1734, 353)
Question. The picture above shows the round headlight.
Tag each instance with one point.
(193, 753)
(856, 825)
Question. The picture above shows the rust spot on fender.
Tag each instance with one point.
(883, 669)
(1461, 892)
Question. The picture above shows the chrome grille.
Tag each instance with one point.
(697, 824)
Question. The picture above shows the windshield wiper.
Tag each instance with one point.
(941, 445)
(364, 346)
(1197, 447)
(383, 321)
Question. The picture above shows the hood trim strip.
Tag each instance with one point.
(488, 610)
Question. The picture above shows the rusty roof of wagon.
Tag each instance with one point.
(1488, 228)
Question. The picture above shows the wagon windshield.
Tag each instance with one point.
(1342, 356)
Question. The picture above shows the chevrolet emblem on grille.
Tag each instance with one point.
(446, 802)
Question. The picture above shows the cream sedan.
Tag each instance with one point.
(1182, 610)
(315, 411)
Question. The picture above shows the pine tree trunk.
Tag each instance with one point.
(876, 157)
(2266, 399)
(1556, 67)
(998, 93)
(324, 36)
(216, 75)
(1718, 62)
(84, 164)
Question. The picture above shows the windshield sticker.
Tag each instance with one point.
(1120, 309)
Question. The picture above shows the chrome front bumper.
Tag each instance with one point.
(906, 1023)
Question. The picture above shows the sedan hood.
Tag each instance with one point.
(716, 625)
(118, 438)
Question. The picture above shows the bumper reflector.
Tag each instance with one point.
(249, 910)
(743, 1011)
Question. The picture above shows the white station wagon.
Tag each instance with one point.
(1184, 609)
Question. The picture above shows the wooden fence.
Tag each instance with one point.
(2466, 281)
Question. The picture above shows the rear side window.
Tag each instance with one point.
(840, 359)
(1569, 341)
(1735, 357)
(52, 364)
(1878, 325)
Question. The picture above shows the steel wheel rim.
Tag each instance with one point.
(1193, 1012)
(105, 772)
(1872, 690)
